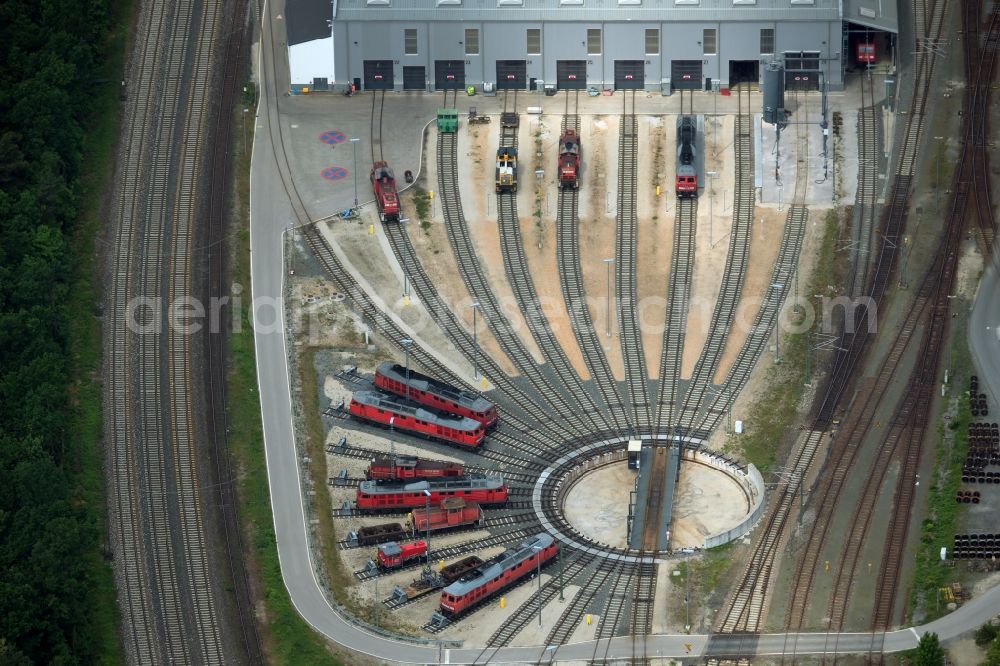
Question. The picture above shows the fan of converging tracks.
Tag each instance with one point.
(549, 411)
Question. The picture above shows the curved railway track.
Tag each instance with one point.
(519, 277)
(166, 575)
(734, 272)
(678, 301)
(626, 240)
(744, 610)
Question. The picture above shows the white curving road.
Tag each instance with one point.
(984, 333)
(271, 215)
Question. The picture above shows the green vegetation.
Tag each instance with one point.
(773, 413)
(59, 116)
(422, 201)
(986, 634)
(992, 654)
(929, 651)
(939, 527)
(288, 639)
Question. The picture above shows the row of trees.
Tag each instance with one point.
(49, 541)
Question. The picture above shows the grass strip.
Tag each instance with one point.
(771, 416)
(85, 344)
(939, 527)
(286, 638)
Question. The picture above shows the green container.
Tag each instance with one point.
(448, 120)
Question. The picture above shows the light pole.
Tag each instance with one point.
(711, 207)
(245, 130)
(354, 145)
(608, 262)
(406, 342)
(937, 196)
(475, 343)
(538, 575)
(427, 517)
(406, 275)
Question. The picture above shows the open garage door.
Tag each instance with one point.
(802, 70)
(630, 75)
(449, 74)
(685, 74)
(571, 74)
(378, 75)
(512, 74)
(414, 78)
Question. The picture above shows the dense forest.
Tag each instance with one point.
(49, 535)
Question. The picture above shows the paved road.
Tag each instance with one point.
(271, 214)
(984, 334)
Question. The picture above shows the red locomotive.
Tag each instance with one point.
(393, 555)
(453, 512)
(399, 468)
(866, 53)
(687, 169)
(411, 417)
(569, 159)
(428, 391)
(386, 198)
(497, 574)
(376, 495)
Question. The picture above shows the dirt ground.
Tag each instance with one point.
(434, 252)
(706, 502)
(597, 504)
(769, 225)
(715, 216)
(476, 156)
(599, 141)
(537, 203)
(655, 231)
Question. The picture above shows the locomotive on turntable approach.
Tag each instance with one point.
(506, 173)
(381, 495)
(386, 196)
(569, 160)
(687, 146)
(430, 392)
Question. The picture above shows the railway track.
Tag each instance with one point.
(983, 59)
(785, 268)
(678, 300)
(478, 285)
(734, 272)
(574, 294)
(529, 610)
(521, 283)
(167, 590)
(625, 270)
(866, 199)
(744, 610)
(572, 615)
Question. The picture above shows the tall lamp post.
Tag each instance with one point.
(607, 327)
(354, 145)
(407, 343)
(475, 343)
(711, 208)
(406, 274)
(427, 516)
(538, 575)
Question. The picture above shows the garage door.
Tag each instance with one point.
(802, 70)
(378, 75)
(685, 74)
(512, 75)
(414, 78)
(571, 74)
(449, 74)
(630, 75)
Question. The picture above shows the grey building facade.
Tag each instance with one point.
(657, 45)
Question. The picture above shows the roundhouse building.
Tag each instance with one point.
(657, 45)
